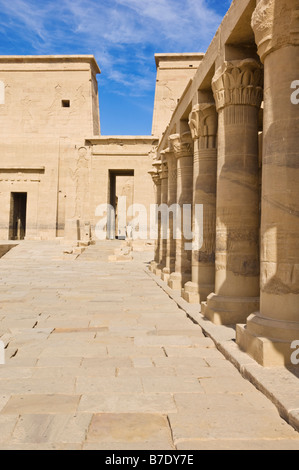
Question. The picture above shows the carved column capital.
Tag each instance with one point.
(164, 165)
(203, 123)
(238, 83)
(156, 172)
(169, 156)
(181, 144)
(275, 24)
(171, 164)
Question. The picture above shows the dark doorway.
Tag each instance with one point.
(121, 185)
(18, 210)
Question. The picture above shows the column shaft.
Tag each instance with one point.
(183, 151)
(203, 124)
(155, 174)
(269, 333)
(164, 200)
(171, 201)
(238, 94)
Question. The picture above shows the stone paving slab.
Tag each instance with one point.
(129, 403)
(144, 429)
(41, 404)
(91, 363)
(278, 384)
(237, 444)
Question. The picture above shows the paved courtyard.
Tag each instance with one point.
(99, 357)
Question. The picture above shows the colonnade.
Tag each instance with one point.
(246, 270)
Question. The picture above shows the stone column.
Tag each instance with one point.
(238, 94)
(171, 200)
(164, 199)
(203, 122)
(183, 150)
(155, 174)
(269, 333)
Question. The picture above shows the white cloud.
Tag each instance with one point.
(123, 34)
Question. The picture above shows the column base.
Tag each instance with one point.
(152, 266)
(195, 294)
(165, 274)
(228, 310)
(190, 293)
(268, 342)
(158, 270)
(175, 281)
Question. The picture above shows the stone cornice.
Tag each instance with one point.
(203, 122)
(238, 83)
(181, 144)
(275, 25)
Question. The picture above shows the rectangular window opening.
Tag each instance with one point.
(66, 103)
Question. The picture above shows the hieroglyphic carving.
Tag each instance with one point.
(81, 179)
(28, 122)
(238, 83)
(56, 103)
(79, 100)
(5, 98)
(153, 153)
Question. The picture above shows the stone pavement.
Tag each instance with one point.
(99, 357)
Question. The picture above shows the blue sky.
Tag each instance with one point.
(123, 35)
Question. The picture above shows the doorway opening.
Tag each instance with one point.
(18, 213)
(121, 197)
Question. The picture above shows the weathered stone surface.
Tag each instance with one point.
(147, 429)
(41, 404)
(59, 428)
(129, 403)
(175, 380)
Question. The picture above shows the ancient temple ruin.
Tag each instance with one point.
(225, 136)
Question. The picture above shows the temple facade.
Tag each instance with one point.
(224, 144)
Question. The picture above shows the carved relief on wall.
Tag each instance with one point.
(27, 115)
(56, 103)
(79, 101)
(5, 98)
(80, 177)
(153, 153)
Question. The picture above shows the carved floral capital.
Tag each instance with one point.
(203, 121)
(156, 172)
(275, 24)
(238, 83)
(164, 165)
(181, 144)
